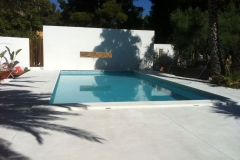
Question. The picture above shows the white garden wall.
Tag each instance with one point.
(167, 49)
(131, 49)
(14, 44)
(168, 52)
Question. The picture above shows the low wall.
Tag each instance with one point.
(14, 43)
(131, 49)
(187, 72)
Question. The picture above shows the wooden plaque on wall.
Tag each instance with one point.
(96, 54)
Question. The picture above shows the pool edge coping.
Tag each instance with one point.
(48, 89)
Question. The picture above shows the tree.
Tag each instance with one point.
(213, 24)
(12, 21)
(102, 13)
(146, 23)
(160, 16)
(134, 13)
(229, 35)
(111, 15)
(22, 18)
(190, 33)
(79, 12)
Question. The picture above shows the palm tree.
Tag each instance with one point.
(213, 18)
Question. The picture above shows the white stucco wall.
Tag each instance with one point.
(14, 44)
(131, 49)
(168, 53)
(167, 49)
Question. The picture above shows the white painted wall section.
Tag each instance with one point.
(131, 49)
(14, 44)
(167, 55)
(167, 49)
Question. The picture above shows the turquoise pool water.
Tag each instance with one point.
(119, 86)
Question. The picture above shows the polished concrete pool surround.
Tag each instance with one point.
(32, 129)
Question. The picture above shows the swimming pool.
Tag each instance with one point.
(120, 86)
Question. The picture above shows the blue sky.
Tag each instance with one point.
(146, 4)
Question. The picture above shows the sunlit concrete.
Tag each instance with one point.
(32, 129)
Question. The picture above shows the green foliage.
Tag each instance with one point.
(1, 56)
(232, 81)
(219, 80)
(134, 13)
(229, 26)
(188, 28)
(229, 35)
(161, 12)
(235, 76)
(81, 19)
(101, 13)
(190, 32)
(12, 56)
(146, 23)
(22, 18)
(111, 15)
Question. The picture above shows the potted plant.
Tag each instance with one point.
(12, 56)
(4, 73)
(8, 67)
(16, 71)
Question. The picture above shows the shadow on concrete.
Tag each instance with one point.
(147, 61)
(27, 81)
(7, 154)
(16, 85)
(124, 47)
(16, 113)
(228, 108)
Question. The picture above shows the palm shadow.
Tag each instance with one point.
(16, 113)
(228, 108)
(7, 153)
(147, 62)
(124, 47)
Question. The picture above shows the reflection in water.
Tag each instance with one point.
(163, 94)
(95, 88)
(111, 88)
(131, 88)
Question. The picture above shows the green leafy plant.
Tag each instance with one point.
(1, 66)
(1, 56)
(236, 76)
(12, 56)
(219, 80)
(232, 81)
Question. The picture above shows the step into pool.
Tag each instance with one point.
(120, 86)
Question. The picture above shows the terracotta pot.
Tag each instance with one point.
(4, 74)
(17, 71)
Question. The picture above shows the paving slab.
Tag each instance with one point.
(123, 134)
(211, 125)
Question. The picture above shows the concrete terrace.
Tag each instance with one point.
(32, 129)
